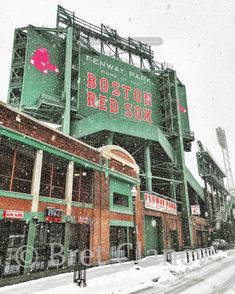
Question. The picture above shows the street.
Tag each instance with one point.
(216, 278)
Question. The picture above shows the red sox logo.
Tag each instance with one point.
(41, 60)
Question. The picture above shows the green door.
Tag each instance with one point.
(153, 235)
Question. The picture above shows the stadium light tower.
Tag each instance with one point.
(221, 137)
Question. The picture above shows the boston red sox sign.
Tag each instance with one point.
(115, 88)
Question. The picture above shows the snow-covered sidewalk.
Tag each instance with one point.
(117, 278)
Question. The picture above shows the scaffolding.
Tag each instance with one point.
(107, 38)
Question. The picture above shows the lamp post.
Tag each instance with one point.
(134, 195)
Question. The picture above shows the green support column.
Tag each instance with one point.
(67, 236)
(180, 159)
(173, 186)
(67, 81)
(147, 167)
(109, 139)
(30, 247)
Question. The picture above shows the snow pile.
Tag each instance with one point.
(121, 279)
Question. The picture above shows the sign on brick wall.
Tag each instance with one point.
(195, 209)
(159, 204)
(13, 214)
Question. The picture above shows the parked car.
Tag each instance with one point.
(220, 244)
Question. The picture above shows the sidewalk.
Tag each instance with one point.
(117, 278)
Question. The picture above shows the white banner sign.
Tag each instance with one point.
(13, 214)
(159, 204)
(195, 209)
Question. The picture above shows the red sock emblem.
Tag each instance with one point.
(41, 60)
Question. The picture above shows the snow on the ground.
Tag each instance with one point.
(119, 281)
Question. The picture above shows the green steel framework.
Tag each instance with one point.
(217, 200)
(157, 149)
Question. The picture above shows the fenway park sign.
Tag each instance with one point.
(159, 204)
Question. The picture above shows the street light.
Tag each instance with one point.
(134, 195)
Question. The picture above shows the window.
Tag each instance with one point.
(16, 163)
(13, 236)
(119, 199)
(53, 177)
(47, 235)
(121, 242)
(82, 185)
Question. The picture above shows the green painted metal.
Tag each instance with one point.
(194, 184)
(169, 107)
(147, 167)
(67, 81)
(119, 223)
(27, 215)
(184, 117)
(109, 140)
(30, 247)
(65, 155)
(107, 37)
(12, 194)
(35, 82)
(64, 202)
(103, 71)
(180, 159)
(45, 147)
(67, 237)
(153, 235)
(83, 205)
(209, 169)
(120, 176)
(51, 95)
(17, 195)
(124, 188)
(101, 122)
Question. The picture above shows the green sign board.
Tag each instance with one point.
(110, 86)
(183, 109)
(44, 66)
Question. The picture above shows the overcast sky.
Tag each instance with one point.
(198, 39)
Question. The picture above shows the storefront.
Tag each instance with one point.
(49, 238)
(162, 225)
(13, 238)
(79, 243)
(121, 243)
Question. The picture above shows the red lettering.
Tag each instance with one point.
(116, 92)
(113, 105)
(147, 115)
(138, 112)
(128, 107)
(147, 99)
(126, 91)
(104, 85)
(91, 98)
(102, 100)
(137, 95)
(91, 80)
